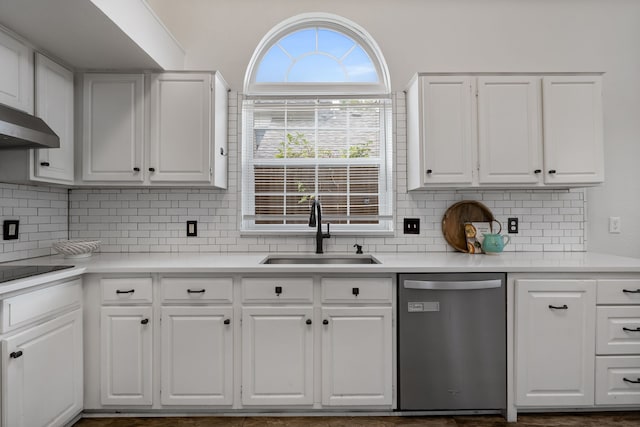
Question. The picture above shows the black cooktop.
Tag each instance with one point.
(13, 272)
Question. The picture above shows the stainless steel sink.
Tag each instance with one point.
(319, 259)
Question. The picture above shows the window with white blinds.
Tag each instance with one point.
(334, 150)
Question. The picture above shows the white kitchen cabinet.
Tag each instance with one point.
(197, 355)
(573, 130)
(520, 131)
(554, 342)
(356, 356)
(186, 111)
(618, 380)
(42, 373)
(440, 134)
(113, 128)
(126, 355)
(55, 105)
(509, 130)
(16, 74)
(277, 355)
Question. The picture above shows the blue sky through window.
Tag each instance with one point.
(316, 55)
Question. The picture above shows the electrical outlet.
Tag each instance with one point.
(615, 224)
(192, 228)
(10, 229)
(512, 225)
(412, 226)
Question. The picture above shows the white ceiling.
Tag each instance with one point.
(74, 31)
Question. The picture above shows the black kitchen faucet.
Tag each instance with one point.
(315, 218)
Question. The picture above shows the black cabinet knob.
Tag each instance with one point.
(227, 321)
(552, 171)
(222, 151)
(44, 164)
(429, 171)
(308, 322)
(144, 321)
(152, 169)
(278, 290)
(15, 354)
(355, 291)
(537, 171)
(136, 169)
(325, 322)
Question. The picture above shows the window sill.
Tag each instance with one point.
(312, 233)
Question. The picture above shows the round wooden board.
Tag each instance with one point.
(455, 217)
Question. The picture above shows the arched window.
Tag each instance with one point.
(317, 124)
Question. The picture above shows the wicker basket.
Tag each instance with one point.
(76, 248)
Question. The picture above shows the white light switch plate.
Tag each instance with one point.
(615, 225)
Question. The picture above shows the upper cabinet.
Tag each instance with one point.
(180, 140)
(16, 74)
(54, 105)
(520, 130)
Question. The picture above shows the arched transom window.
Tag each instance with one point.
(317, 125)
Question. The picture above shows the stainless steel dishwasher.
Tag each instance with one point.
(452, 342)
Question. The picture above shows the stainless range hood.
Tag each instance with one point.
(21, 130)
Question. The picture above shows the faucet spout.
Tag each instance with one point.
(315, 219)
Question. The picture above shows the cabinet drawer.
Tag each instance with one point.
(618, 380)
(618, 330)
(127, 290)
(31, 306)
(196, 289)
(364, 290)
(278, 289)
(619, 291)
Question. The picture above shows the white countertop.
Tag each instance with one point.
(508, 262)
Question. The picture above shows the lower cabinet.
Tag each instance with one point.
(126, 355)
(197, 356)
(277, 355)
(356, 356)
(555, 323)
(42, 373)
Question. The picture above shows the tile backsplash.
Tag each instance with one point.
(154, 219)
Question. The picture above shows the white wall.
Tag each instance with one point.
(466, 35)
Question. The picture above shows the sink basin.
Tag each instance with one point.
(319, 259)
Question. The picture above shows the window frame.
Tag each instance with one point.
(254, 92)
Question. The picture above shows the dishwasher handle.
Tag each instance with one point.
(452, 285)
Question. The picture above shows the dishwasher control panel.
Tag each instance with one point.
(419, 307)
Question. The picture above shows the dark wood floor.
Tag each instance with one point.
(612, 419)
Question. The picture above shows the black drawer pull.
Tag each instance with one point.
(627, 291)
(637, 381)
(44, 164)
(552, 171)
(136, 169)
(144, 321)
(278, 290)
(152, 169)
(355, 291)
(130, 291)
(308, 322)
(325, 322)
(537, 171)
(16, 354)
(631, 330)
(227, 321)
(199, 291)
(562, 307)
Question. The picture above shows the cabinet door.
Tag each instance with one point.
(42, 374)
(180, 140)
(356, 356)
(277, 356)
(125, 340)
(573, 141)
(555, 342)
(112, 135)
(509, 136)
(220, 132)
(16, 74)
(54, 105)
(447, 130)
(197, 356)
